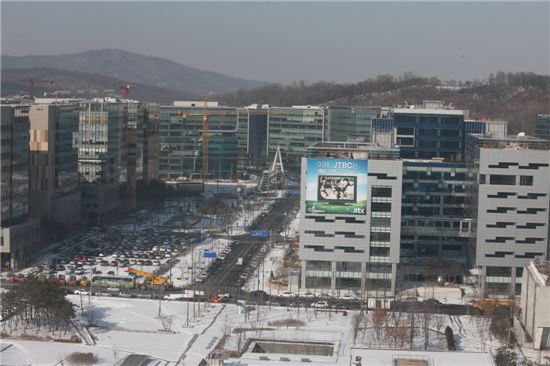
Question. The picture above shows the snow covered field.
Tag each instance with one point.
(171, 331)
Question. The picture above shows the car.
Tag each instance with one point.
(81, 292)
(111, 273)
(341, 306)
(288, 294)
(272, 303)
(348, 298)
(308, 295)
(319, 305)
(126, 295)
(144, 296)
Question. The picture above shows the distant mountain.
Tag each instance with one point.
(80, 84)
(135, 68)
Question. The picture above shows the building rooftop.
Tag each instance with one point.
(353, 150)
(541, 271)
(454, 112)
(517, 142)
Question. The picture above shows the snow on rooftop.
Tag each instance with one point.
(454, 112)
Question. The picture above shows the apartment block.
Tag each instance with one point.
(351, 219)
(511, 206)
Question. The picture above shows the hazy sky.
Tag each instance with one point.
(281, 41)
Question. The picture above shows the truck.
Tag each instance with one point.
(240, 261)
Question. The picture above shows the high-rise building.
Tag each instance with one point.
(151, 143)
(350, 213)
(511, 203)
(20, 235)
(54, 191)
(425, 133)
(252, 136)
(542, 126)
(437, 215)
(351, 124)
(293, 129)
(181, 150)
(102, 156)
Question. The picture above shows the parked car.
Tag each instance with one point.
(320, 305)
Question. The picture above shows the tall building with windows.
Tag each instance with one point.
(351, 219)
(351, 124)
(425, 133)
(293, 129)
(181, 145)
(102, 157)
(512, 199)
(20, 235)
(542, 126)
(437, 214)
(54, 190)
(151, 143)
(252, 136)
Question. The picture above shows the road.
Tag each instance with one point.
(226, 276)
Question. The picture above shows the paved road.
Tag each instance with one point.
(226, 276)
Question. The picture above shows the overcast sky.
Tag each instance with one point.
(281, 42)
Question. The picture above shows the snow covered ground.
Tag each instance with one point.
(139, 326)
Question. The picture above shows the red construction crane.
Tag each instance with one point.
(124, 89)
(31, 83)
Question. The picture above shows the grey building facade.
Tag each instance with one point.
(342, 250)
(511, 208)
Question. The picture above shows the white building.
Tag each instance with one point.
(535, 303)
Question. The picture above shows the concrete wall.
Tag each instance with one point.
(535, 307)
(22, 241)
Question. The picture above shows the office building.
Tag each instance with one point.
(151, 144)
(54, 191)
(20, 234)
(542, 126)
(102, 157)
(293, 129)
(351, 124)
(425, 133)
(351, 210)
(252, 137)
(437, 214)
(181, 145)
(511, 203)
(534, 304)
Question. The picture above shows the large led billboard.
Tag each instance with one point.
(336, 186)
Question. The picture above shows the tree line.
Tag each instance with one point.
(37, 304)
(302, 93)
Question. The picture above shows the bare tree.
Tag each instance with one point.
(379, 319)
(356, 323)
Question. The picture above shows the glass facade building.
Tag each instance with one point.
(436, 210)
(181, 145)
(101, 142)
(15, 164)
(350, 123)
(293, 129)
(542, 126)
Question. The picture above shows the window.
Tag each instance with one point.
(526, 180)
(502, 179)
(482, 179)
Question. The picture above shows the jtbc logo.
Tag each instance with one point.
(359, 210)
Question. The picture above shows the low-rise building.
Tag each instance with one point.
(535, 302)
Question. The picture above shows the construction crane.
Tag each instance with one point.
(31, 83)
(124, 89)
(152, 279)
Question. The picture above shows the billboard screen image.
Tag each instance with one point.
(336, 186)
